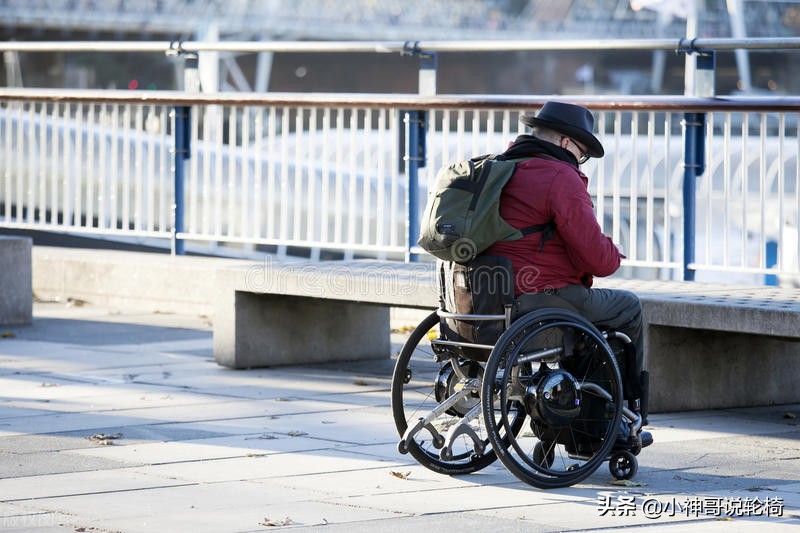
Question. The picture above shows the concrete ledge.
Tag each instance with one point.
(694, 369)
(378, 282)
(772, 311)
(273, 330)
(283, 313)
(711, 346)
(16, 285)
(708, 346)
(128, 280)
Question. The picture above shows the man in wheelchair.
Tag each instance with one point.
(520, 334)
(550, 187)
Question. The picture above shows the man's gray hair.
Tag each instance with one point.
(546, 134)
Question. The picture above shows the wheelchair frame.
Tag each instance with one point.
(468, 420)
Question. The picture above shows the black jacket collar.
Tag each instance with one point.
(530, 146)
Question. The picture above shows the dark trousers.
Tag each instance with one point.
(607, 309)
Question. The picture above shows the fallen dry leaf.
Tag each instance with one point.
(628, 483)
(276, 523)
(105, 436)
(297, 433)
(265, 436)
(789, 415)
(401, 475)
(7, 335)
(361, 383)
(105, 440)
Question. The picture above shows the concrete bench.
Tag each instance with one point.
(708, 346)
(717, 346)
(281, 313)
(16, 285)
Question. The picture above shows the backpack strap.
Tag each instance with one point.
(547, 230)
(476, 184)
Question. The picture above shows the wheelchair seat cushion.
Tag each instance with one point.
(527, 302)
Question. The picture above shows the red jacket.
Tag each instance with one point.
(541, 190)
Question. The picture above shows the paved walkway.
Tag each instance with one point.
(123, 422)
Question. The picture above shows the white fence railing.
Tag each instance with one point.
(330, 173)
(87, 168)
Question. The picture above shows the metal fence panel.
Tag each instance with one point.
(300, 173)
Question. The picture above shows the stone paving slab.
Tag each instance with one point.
(260, 467)
(203, 448)
(30, 489)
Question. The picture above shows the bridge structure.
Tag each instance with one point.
(365, 20)
(369, 20)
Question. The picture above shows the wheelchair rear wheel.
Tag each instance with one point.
(436, 406)
(558, 369)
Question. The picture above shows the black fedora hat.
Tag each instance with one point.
(572, 120)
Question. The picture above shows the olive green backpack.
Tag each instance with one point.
(462, 215)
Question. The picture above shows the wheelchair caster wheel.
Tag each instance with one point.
(402, 447)
(540, 457)
(623, 465)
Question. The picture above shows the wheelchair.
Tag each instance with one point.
(546, 397)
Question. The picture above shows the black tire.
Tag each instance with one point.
(580, 438)
(623, 465)
(413, 397)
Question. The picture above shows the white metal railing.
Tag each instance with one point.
(299, 176)
(87, 168)
(327, 172)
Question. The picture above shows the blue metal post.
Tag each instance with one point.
(415, 159)
(693, 166)
(182, 152)
(694, 158)
(772, 260)
(415, 140)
